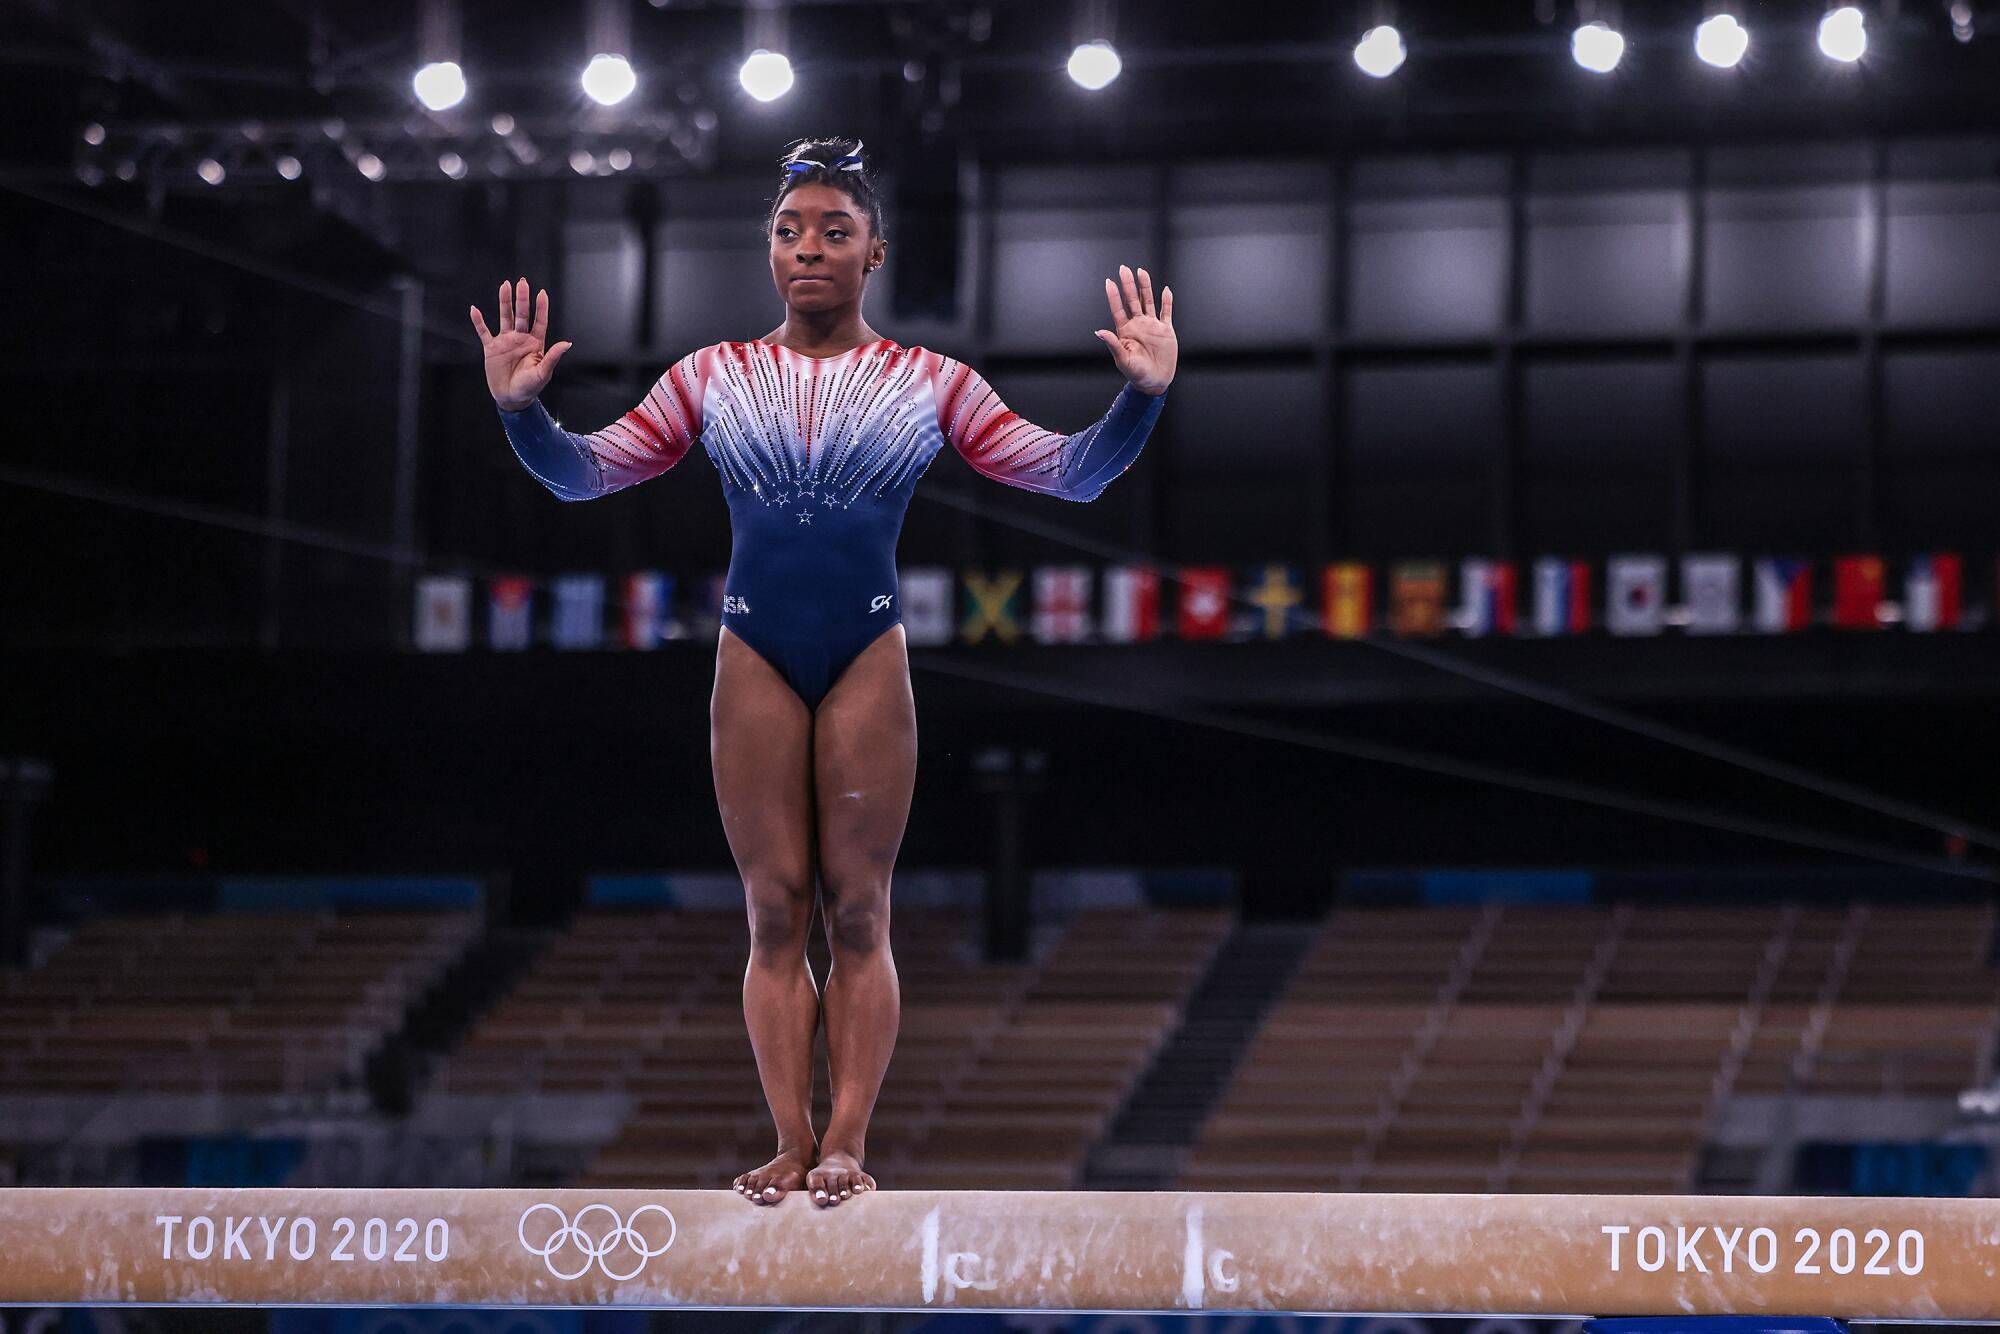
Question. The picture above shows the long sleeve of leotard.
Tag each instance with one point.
(644, 443)
(1008, 448)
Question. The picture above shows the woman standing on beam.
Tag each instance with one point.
(820, 430)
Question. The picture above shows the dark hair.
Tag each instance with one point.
(858, 186)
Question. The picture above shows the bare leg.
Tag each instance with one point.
(760, 745)
(864, 767)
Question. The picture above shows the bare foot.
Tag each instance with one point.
(837, 1177)
(777, 1178)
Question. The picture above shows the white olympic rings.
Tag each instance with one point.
(595, 1250)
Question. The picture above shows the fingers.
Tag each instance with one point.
(1132, 304)
(521, 305)
(541, 329)
(1167, 306)
(554, 355)
(506, 307)
(479, 327)
(1146, 293)
(1118, 315)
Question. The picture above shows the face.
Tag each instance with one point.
(819, 231)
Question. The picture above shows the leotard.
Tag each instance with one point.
(819, 457)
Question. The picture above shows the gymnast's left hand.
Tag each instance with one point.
(1141, 339)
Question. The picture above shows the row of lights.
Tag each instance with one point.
(607, 79)
(1720, 40)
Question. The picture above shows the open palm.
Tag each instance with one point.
(1142, 341)
(517, 368)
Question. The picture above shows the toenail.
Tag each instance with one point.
(819, 1194)
(770, 1190)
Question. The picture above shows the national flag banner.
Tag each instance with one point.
(1784, 593)
(1416, 599)
(1561, 596)
(1062, 604)
(1931, 592)
(1486, 597)
(1635, 594)
(1712, 593)
(444, 613)
(1131, 603)
(579, 615)
(1278, 593)
(648, 596)
(992, 606)
(1347, 600)
(1204, 601)
(509, 620)
(704, 618)
(925, 591)
(1859, 582)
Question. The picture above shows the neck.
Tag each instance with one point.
(830, 328)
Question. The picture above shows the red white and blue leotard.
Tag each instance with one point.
(819, 457)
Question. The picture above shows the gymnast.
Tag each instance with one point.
(819, 430)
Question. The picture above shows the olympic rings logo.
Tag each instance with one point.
(596, 1249)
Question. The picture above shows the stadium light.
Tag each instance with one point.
(439, 85)
(1721, 40)
(1094, 65)
(766, 75)
(439, 82)
(1380, 51)
(609, 79)
(1843, 34)
(1597, 46)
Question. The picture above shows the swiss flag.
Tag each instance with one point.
(1204, 611)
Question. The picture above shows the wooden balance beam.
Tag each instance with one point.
(1529, 1255)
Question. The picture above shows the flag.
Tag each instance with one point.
(1416, 599)
(1858, 583)
(1784, 593)
(1562, 596)
(1062, 604)
(1131, 603)
(579, 617)
(1486, 590)
(992, 605)
(1930, 592)
(1712, 588)
(1279, 596)
(1635, 594)
(1204, 602)
(444, 613)
(926, 594)
(649, 595)
(509, 624)
(1347, 600)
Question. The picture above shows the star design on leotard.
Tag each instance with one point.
(805, 493)
(805, 516)
(782, 498)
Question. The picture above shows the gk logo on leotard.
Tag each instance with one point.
(881, 602)
(732, 603)
(569, 1249)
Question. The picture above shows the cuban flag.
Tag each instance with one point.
(1486, 589)
(1562, 596)
(1131, 603)
(1930, 592)
(648, 594)
(511, 600)
(1784, 594)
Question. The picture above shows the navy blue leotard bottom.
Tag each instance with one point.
(809, 593)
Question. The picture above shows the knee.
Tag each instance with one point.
(857, 918)
(780, 908)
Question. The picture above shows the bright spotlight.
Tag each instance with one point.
(1597, 47)
(766, 75)
(452, 165)
(1093, 65)
(289, 167)
(1380, 51)
(1721, 41)
(211, 171)
(1843, 34)
(440, 84)
(609, 79)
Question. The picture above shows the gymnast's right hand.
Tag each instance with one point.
(517, 369)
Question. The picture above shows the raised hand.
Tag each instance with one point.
(1142, 342)
(517, 369)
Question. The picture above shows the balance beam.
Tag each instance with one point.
(1552, 1255)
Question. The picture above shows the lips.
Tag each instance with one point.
(814, 278)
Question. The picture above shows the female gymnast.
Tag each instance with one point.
(819, 430)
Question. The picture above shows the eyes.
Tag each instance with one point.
(831, 231)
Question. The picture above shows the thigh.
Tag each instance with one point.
(865, 766)
(760, 748)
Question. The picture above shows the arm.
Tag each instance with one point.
(644, 443)
(1007, 447)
